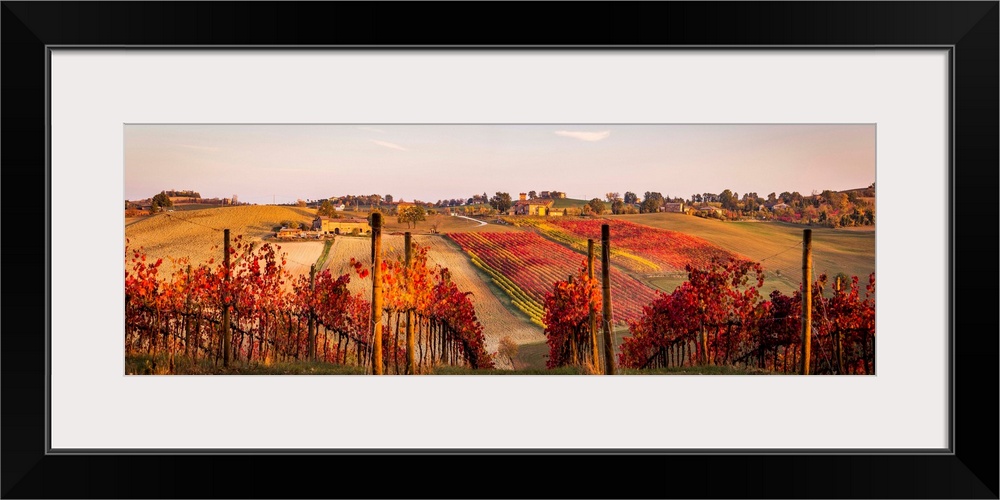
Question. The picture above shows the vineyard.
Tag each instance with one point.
(669, 250)
(498, 321)
(238, 308)
(640, 249)
(525, 266)
(718, 317)
(252, 304)
(835, 251)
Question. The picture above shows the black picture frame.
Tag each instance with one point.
(968, 470)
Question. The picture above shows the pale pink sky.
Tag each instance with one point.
(261, 163)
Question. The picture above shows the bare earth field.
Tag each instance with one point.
(497, 319)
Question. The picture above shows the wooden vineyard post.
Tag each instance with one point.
(594, 355)
(376, 321)
(410, 340)
(839, 339)
(312, 314)
(609, 347)
(806, 299)
(225, 301)
(702, 344)
(187, 314)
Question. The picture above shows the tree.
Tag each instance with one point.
(618, 207)
(501, 202)
(810, 213)
(840, 202)
(651, 202)
(326, 209)
(388, 198)
(532, 195)
(300, 203)
(597, 206)
(869, 217)
(611, 197)
(411, 215)
(160, 201)
(728, 200)
(631, 197)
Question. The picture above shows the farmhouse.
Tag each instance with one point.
(524, 206)
(287, 233)
(329, 225)
(779, 206)
(673, 207)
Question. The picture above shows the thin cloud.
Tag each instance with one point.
(389, 145)
(372, 129)
(200, 148)
(585, 136)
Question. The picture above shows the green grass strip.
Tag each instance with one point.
(321, 260)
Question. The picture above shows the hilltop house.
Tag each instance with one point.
(346, 225)
(533, 207)
(673, 207)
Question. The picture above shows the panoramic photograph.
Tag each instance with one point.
(541, 249)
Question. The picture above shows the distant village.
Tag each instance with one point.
(167, 199)
(340, 215)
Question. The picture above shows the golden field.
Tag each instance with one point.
(777, 245)
(198, 234)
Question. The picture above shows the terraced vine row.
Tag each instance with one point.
(619, 256)
(638, 248)
(519, 298)
(526, 265)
